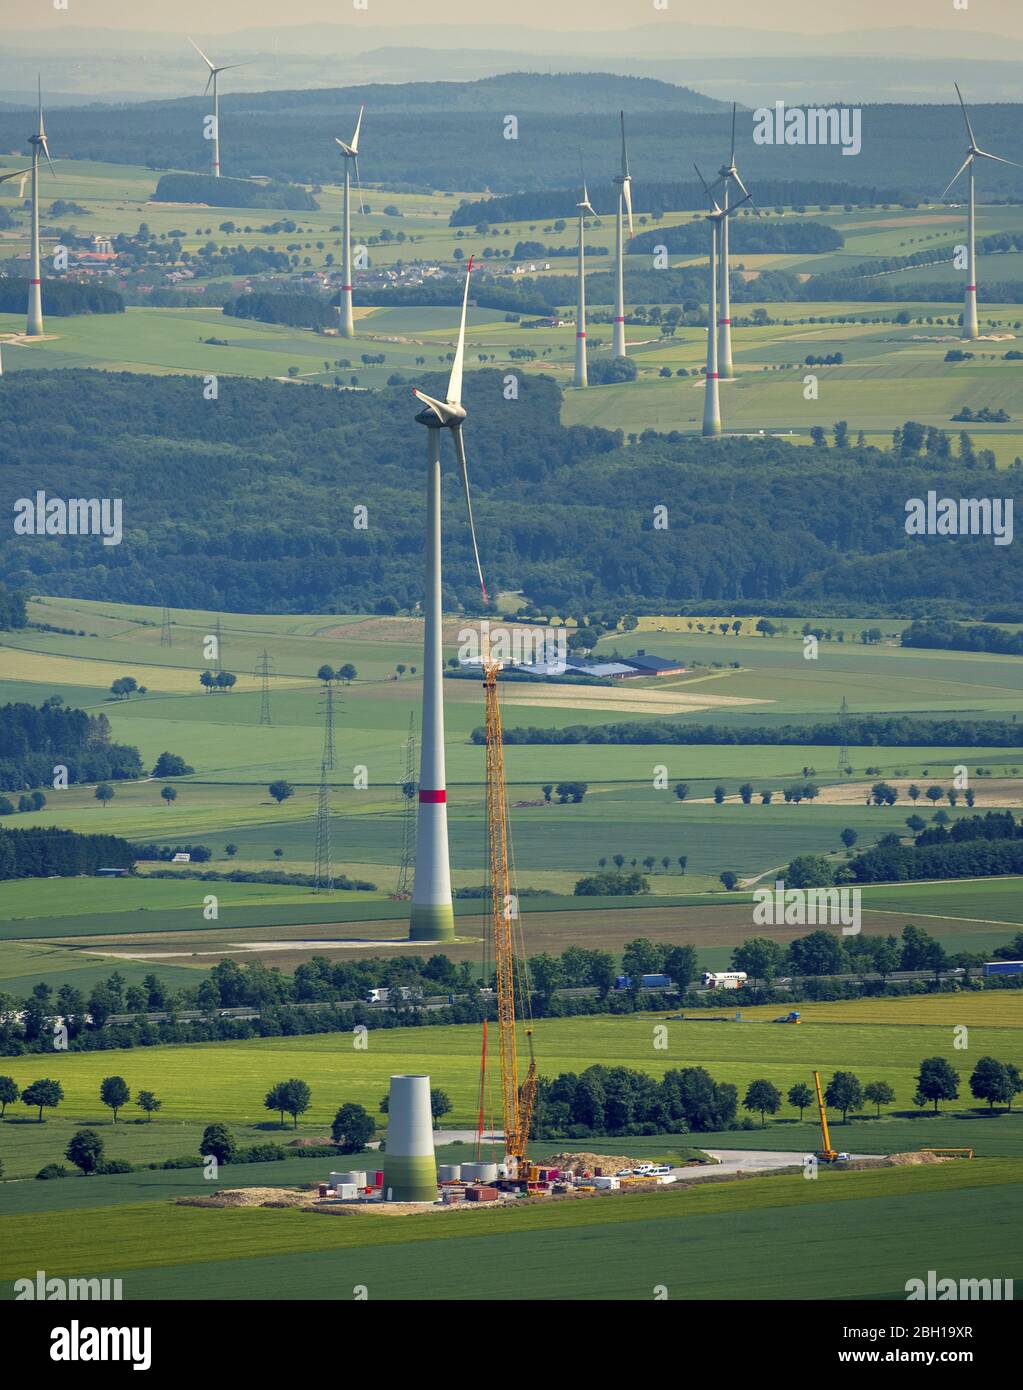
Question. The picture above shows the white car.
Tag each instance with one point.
(642, 1169)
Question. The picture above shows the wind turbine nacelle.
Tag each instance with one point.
(439, 415)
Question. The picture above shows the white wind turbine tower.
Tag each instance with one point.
(580, 326)
(717, 216)
(624, 182)
(727, 174)
(350, 152)
(432, 914)
(211, 81)
(21, 174)
(34, 325)
(973, 152)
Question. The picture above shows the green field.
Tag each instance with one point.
(861, 1235)
(227, 1081)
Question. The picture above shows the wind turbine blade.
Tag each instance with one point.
(358, 184)
(998, 159)
(464, 474)
(745, 190)
(706, 185)
(627, 195)
(966, 118)
(201, 54)
(209, 81)
(736, 206)
(358, 127)
(439, 408)
(731, 162)
(15, 174)
(46, 152)
(455, 380)
(965, 165)
(625, 152)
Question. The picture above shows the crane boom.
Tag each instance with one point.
(517, 1109)
(827, 1152)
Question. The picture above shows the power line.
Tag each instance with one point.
(407, 790)
(843, 721)
(328, 725)
(263, 670)
(323, 872)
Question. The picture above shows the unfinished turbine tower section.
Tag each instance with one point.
(971, 327)
(350, 154)
(432, 917)
(410, 1165)
(40, 151)
(623, 182)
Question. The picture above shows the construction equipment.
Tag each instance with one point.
(825, 1154)
(512, 985)
(791, 1017)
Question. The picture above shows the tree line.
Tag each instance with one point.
(860, 730)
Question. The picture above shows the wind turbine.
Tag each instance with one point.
(432, 914)
(22, 175)
(624, 182)
(34, 325)
(727, 174)
(350, 153)
(580, 326)
(717, 217)
(973, 153)
(212, 81)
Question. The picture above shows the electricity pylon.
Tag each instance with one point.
(323, 872)
(263, 672)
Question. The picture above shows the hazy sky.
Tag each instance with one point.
(804, 16)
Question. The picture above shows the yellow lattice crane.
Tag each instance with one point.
(516, 1104)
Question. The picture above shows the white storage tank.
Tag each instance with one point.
(358, 1177)
(449, 1172)
(336, 1178)
(487, 1172)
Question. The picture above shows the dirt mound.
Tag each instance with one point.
(911, 1160)
(587, 1162)
(252, 1197)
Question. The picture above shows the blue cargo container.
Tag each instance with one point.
(646, 981)
(1003, 967)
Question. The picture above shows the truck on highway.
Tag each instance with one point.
(1003, 967)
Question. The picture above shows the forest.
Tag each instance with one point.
(245, 503)
(959, 637)
(34, 738)
(862, 731)
(232, 193)
(43, 853)
(64, 298)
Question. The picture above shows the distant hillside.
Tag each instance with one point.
(232, 193)
(246, 504)
(451, 135)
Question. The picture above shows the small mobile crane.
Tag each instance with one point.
(826, 1154)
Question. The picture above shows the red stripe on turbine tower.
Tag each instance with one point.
(972, 288)
(433, 796)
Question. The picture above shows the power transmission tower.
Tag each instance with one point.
(263, 671)
(407, 792)
(843, 720)
(323, 873)
(165, 630)
(328, 725)
(218, 631)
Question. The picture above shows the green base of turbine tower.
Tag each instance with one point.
(432, 922)
(410, 1177)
